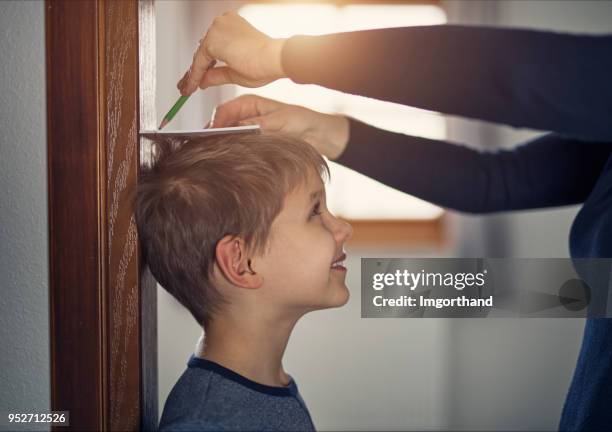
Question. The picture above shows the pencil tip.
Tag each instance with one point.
(163, 123)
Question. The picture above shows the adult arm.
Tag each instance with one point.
(525, 78)
(548, 171)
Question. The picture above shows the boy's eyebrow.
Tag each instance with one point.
(314, 195)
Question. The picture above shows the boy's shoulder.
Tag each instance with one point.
(191, 426)
(209, 396)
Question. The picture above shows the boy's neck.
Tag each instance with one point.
(250, 346)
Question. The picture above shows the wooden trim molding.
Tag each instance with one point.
(428, 233)
(93, 156)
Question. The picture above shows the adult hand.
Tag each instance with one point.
(328, 133)
(252, 58)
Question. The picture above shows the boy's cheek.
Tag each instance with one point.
(300, 266)
(301, 283)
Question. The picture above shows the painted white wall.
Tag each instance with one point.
(24, 270)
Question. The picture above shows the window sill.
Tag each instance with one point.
(420, 233)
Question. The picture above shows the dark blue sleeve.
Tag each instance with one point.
(551, 170)
(549, 81)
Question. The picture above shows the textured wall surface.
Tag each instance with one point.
(24, 270)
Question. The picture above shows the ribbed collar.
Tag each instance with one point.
(198, 362)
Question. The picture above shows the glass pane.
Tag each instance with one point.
(350, 194)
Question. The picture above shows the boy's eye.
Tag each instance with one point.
(316, 210)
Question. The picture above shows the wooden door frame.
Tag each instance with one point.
(100, 93)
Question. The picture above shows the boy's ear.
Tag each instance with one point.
(235, 265)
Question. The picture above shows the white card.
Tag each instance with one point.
(204, 132)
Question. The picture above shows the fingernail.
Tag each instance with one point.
(207, 125)
(212, 116)
(181, 82)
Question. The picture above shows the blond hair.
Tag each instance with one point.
(198, 190)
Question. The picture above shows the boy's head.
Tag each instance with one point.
(240, 221)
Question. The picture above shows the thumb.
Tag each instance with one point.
(270, 122)
(223, 75)
(243, 107)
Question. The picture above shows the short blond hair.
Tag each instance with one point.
(198, 190)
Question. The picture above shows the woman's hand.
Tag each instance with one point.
(328, 133)
(252, 58)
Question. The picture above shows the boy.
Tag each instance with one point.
(236, 228)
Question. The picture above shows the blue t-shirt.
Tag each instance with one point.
(211, 397)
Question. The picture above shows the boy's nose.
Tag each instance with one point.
(342, 230)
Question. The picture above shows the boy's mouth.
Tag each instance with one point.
(338, 263)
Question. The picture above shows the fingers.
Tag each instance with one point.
(181, 82)
(216, 76)
(252, 59)
(271, 122)
(205, 55)
(242, 108)
(201, 63)
(223, 75)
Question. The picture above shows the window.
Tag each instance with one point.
(352, 195)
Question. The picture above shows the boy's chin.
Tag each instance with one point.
(346, 295)
(340, 298)
(337, 299)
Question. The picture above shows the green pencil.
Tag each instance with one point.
(175, 108)
(180, 102)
